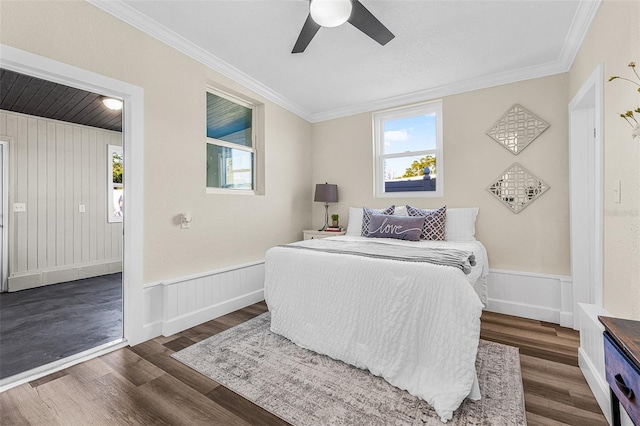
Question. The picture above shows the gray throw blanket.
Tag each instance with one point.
(459, 259)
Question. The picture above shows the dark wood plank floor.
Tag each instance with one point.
(142, 385)
(45, 324)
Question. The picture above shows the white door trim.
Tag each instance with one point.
(586, 189)
(5, 213)
(133, 135)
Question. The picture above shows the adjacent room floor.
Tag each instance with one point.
(45, 324)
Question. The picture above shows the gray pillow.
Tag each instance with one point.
(366, 217)
(398, 227)
(434, 224)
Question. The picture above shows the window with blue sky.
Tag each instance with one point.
(408, 143)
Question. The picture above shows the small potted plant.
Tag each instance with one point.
(334, 219)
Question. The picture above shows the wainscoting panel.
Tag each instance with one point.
(173, 306)
(176, 305)
(531, 295)
(591, 358)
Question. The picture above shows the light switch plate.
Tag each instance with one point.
(617, 192)
(81, 208)
(19, 207)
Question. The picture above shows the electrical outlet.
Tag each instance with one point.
(82, 208)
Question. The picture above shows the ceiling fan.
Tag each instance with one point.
(332, 13)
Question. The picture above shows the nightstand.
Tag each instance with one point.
(309, 234)
(622, 365)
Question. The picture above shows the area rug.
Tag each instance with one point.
(305, 388)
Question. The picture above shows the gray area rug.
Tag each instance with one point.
(305, 388)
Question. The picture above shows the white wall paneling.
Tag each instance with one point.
(57, 168)
(530, 295)
(174, 306)
(591, 358)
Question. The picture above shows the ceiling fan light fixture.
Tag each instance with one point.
(112, 103)
(330, 13)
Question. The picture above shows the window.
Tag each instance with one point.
(408, 143)
(115, 189)
(231, 151)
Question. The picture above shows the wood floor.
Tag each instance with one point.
(142, 385)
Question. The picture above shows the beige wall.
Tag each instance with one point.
(614, 41)
(226, 229)
(535, 240)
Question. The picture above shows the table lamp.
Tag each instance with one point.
(327, 193)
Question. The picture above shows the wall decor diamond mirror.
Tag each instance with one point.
(517, 128)
(517, 187)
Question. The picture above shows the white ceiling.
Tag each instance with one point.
(440, 48)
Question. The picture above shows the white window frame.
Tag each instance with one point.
(111, 149)
(252, 149)
(379, 118)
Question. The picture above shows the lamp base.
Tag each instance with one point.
(326, 217)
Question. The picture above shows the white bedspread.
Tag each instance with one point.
(417, 325)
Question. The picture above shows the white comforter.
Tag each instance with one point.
(417, 325)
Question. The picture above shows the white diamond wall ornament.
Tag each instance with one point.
(517, 187)
(517, 128)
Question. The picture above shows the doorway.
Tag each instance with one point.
(134, 317)
(64, 275)
(586, 187)
(4, 213)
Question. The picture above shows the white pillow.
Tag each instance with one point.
(400, 211)
(461, 224)
(354, 227)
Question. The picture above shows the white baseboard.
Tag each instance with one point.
(531, 295)
(179, 304)
(183, 322)
(598, 387)
(42, 277)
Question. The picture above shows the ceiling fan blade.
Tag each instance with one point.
(309, 29)
(364, 20)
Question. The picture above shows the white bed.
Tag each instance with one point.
(415, 324)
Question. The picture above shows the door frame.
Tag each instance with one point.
(586, 124)
(133, 137)
(5, 144)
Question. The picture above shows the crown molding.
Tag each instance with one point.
(582, 20)
(133, 17)
(446, 90)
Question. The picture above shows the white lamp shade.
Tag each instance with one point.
(330, 13)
